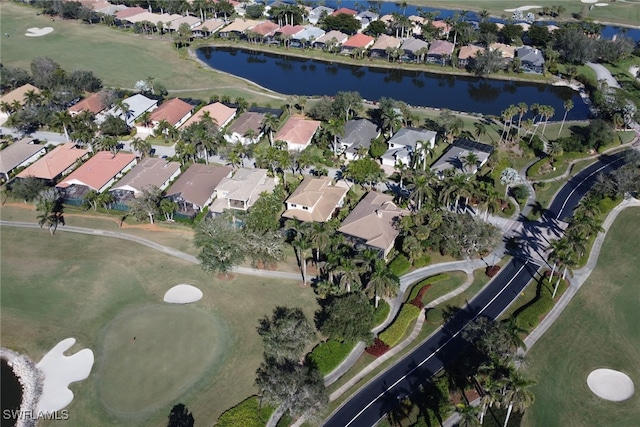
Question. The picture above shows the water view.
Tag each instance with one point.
(310, 77)
(11, 392)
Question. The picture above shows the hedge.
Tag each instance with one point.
(394, 333)
(399, 265)
(329, 354)
(416, 288)
(247, 413)
(378, 348)
(423, 261)
(531, 313)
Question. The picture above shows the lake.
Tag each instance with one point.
(11, 392)
(310, 77)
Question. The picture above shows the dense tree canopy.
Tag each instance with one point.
(343, 22)
(348, 318)
(286, 334)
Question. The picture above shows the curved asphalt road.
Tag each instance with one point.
(381, 394)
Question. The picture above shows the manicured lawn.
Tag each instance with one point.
(599, 329)
(105, 291)
(119, 57)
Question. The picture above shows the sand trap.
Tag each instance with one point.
(633, 70)
(523, 8)
(183, 294)
(59, 371)
(610, 385)
(602, 4)
(38, 32)
(589, 1)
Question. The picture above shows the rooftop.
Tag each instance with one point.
(246, 185)
(469, 51)
(240, 25)
(92, 103)
(358, 40)
(171, 111)
(218, 112)
(17, 153)
(198, 183)
(454, 157)
(441, 47)
(151, 171)
(319, 195)
(297, 130)
(413, 45)
(333, 34)
(291, 30)
(211, 24)
(385, 41)
(408, 137)
(96, 172)
(247, 121)
(359, 133)
(18, 94)
(346, 11)
(54, 162)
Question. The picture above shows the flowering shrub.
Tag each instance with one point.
(417, 301)
(378, 348)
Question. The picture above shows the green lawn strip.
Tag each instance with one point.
(431, 324)
(80, 286)
(329, 354)
(381, 313)
(598, 329)
(415, 289)
(247, 413)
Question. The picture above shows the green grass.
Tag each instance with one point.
(329, 354)
(381, 313)
(104, 291)
(119, 57)
(598, 329)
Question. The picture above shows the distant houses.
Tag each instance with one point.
(403, 145)
(241, 190)
(357, 137)
(100, 171)
(218, 112)
(315, 200)
(195, 188)
(463, 156)
(19, 154)
(56, 163)
(150, 172)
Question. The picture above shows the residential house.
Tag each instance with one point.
(195, 188)
(100, 171)
(444, 28)
(416, 25)
(289, 31)
(238, 27)
(20, 154)
(297, 132)
(404, 143)
(454, 157)
(357, 41)
(191, 21)
(508, 52)
(208, 28)
(366, 17)
(531, 59)
(56, 163)
(467, 55)
(318, 12)
(357, 136)
(17, 96)
(346, 11)
(330, 39)
(241, 190)
(307, 36)
(315, 199)
(246, 129)
(384, 42)
(105, 8)
(373, 223)
(265, 31)
(136, 106)
(92, 103)
(150, 172)
(413, 49)
(174, 111)
(123, 15)
(440, 51)
(218, 112)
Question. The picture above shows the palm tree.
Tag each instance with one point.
(320, 237)
(589, 206)
(522, 110)
(483, 15)
(470, 162)
(391, 119)
(382, 282)
(269, 124)
(423, 149)
(32, 98)
(335, 128)
(62, 119)
(421, 188)
(50, 208)
(547, 112)
(517, 394)
(349, 273)
(142, 146)
(481, 129)
(568, 106)
(468, 415)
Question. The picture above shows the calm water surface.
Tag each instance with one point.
(301, 76)
(11, 392)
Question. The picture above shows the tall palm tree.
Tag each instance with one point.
(62, 119)
(470, 162)
(481, 129)
(468, 415)
(335, 128)
(349, 273)
(32, 98)
(391, 119)
(568, 106)
(320, 237)
(269, 125)
(421, 188)
(522, 110)
(142, 146)
(517, 394)
(423, 149)
(588, 206)
(382, 282)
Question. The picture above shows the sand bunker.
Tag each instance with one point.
(610, 385)
(59, 371)
(523, 8)
(38, 32)
(183, 294)
(602, 4)
(589, 1)
(633, 70)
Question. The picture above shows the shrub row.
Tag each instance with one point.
(417, 301)
(247, 413)
(530, 314)
(400, 265)
(378, 348)
(329, 354)
(394, 333)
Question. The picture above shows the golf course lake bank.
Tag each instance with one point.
(11, 392)
(313, 77)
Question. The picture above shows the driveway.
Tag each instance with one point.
(603, 74)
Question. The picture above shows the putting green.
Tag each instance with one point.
(174, 347)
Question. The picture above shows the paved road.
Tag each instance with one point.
(381, 394)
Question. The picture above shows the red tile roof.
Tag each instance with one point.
(298, 131)
(172, 111)
(98, 170)
(290, 30)
(345, 11)
(358, 40)
(54, 162)
(92, 103)
(129, 12)
(265, 28)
